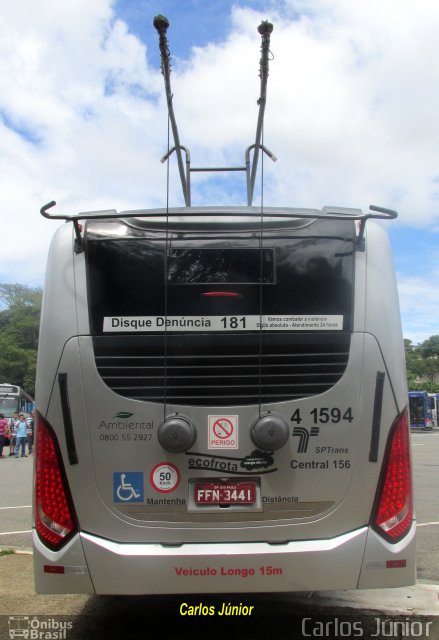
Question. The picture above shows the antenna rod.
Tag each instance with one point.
(264, 29)
(161, 23)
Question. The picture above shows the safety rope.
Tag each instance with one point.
(165, 346)
(261, 276)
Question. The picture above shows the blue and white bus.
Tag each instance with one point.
(420, 413)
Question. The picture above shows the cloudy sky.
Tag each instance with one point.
(352, 110)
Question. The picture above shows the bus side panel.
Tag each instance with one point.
(58, 315)
(383, 318)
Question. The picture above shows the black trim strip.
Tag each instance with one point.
(67, 419)
(376, 419)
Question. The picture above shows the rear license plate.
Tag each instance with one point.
(225, 493)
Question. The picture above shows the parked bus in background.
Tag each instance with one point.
(14, 399)
(420, 414)
(433, 399)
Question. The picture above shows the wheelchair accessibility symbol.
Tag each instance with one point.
(128, 486)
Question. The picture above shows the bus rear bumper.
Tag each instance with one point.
(96, 565)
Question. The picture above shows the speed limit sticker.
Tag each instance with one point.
(165, 477)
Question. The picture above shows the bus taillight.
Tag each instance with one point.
(55, 519)
(393, 511)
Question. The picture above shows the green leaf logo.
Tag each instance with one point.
(123, 415)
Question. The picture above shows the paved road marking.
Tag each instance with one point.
(11, 533)
(426, 524)
(26, 506)
(424, 435)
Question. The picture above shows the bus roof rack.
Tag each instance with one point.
(327, 213)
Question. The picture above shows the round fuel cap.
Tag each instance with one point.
(177, 434)
(269, 432)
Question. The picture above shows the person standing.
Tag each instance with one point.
(12, 429)
(30, 432)
(21, 436)
(3, 426)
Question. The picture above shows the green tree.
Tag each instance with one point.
(430, 347)
(20, 309)
(423, 362)
(429, 352)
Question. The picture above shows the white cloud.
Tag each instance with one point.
(74, 121)
(351, 103)
(419, 306)
(351, 113)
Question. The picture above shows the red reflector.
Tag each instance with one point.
(396, 564)
(53, 568)
(393, 511)
(220, 294)
(54, 516)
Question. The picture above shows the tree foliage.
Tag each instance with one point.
(20, 309)
(423, 364)
(430, 348)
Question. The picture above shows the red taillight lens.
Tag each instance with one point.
(393, 512)
(54, 515)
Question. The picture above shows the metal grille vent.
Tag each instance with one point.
(221, 370)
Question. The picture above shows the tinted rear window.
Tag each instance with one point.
(221, 265)
(305, 272)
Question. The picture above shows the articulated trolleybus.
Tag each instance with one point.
(222, 398)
